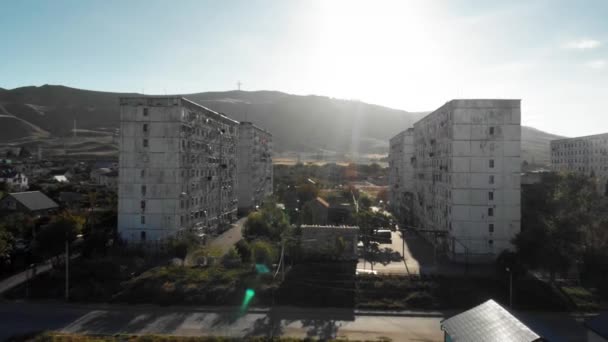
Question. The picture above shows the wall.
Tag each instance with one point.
(321, 241)
(467, 175)
(178, 162)
(254, 166)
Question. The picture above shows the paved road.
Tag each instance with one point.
(16, 279)
(19, 318)
(230, 237)
(408, 264)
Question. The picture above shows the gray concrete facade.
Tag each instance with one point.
(401, 175)
(586, 155)
(254, 166)
(467, 176)
(177, 167)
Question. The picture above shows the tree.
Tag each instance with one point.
(270, 221)
(263, 252)
(307, 192)
(559, 214)
(6, 243)
(24, 153)
(180, 246)
(63, 227)
(244, 250)
(231, 259)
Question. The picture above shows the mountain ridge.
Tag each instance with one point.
(301, 123)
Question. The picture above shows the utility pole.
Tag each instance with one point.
(510, 287)
(67, 269)
(221, 134)
(238, 84)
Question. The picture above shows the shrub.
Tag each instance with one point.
(231, 259)
(264, 252)
(244, 250)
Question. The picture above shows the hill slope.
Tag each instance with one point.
(298, 123)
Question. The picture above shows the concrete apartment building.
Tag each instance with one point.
(467, 177)
(254, 166)
(586, 155)
(401, 175)
(177, 167)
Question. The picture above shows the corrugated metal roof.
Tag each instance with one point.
(34, 200)
(487, 322)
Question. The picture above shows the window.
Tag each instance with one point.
(143, 190)
(145, 112)
(145, 127)
(142, 205)
(145, 142)
(490, 211)
(181, 204)
(142, 236)
(491, 163)
(143, 219)
(491, 179)
(491, 130)
(491, 228)
(143, 173)
(491, 195)
(491, 243)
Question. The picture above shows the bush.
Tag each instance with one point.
(231, 259)
(263, 252)
(244, 250)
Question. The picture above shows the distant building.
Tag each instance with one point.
(60, 179)
(29, 202)
(177, 163)
(329, 242)
(254, 166)
(467, 177)
(105, 176)
(316, 211)
(401, 175)
(487, 322)
(72, 200)
(14, 180)
(586, 155)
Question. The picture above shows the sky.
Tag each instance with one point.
(413, 55)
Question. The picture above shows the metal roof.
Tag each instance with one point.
(487, 322)
(34, 200)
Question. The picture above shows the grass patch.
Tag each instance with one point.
(215, 285)
(91, 280)
(439, 293)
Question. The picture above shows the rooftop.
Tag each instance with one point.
(322, 201)
(307, 226)
(487, 322)
(34, 200)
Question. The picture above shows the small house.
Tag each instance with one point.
(29, 202)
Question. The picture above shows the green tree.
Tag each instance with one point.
(263, 252)
(270, 222)
(307, 192)
(6, 243)
(180, 246)
(558, 216)
(63, 227)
